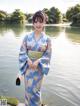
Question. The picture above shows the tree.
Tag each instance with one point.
(29, 18)
(54, 15)
(76, 20)
(18, 17)
(64, 18)
(2, 16)
(72, 12)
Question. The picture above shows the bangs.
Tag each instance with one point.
(38, 19)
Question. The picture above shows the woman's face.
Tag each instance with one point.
(38, 25)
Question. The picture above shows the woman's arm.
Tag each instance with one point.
(24, 60)
(44, 61)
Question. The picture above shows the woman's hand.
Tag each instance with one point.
(21, 77)
(30, 63)
(35, 64)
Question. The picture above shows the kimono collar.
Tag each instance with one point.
(40, 36)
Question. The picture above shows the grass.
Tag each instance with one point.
(10, 100)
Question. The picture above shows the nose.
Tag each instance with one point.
(38, 23)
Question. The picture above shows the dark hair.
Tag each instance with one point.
(39, 16)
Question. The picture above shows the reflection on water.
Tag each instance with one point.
(62, 86)
(73, 34)
(16, 29)
(53, 31)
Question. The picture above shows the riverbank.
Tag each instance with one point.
(60, 24)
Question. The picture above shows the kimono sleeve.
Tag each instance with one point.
(44, 61)
(23, 57)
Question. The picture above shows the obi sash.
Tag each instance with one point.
(34, 54)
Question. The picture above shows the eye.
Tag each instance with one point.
(35, 21)
(40, 21)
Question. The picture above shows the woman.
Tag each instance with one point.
(34, 60)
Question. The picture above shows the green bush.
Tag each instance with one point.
(11, 100)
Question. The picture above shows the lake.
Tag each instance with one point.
(62, 85)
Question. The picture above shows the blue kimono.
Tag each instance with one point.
(34, 49)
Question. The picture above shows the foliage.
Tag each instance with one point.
(64, 18)
(54, 15)
(72, 11)
(76, 20)
(10, 100)
(73, 15)
(2, 16)
(29, 18)
(17, 17)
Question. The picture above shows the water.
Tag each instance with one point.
(62, 85)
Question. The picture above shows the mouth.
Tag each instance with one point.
(38, 27)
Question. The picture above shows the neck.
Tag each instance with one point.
(37, 33)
